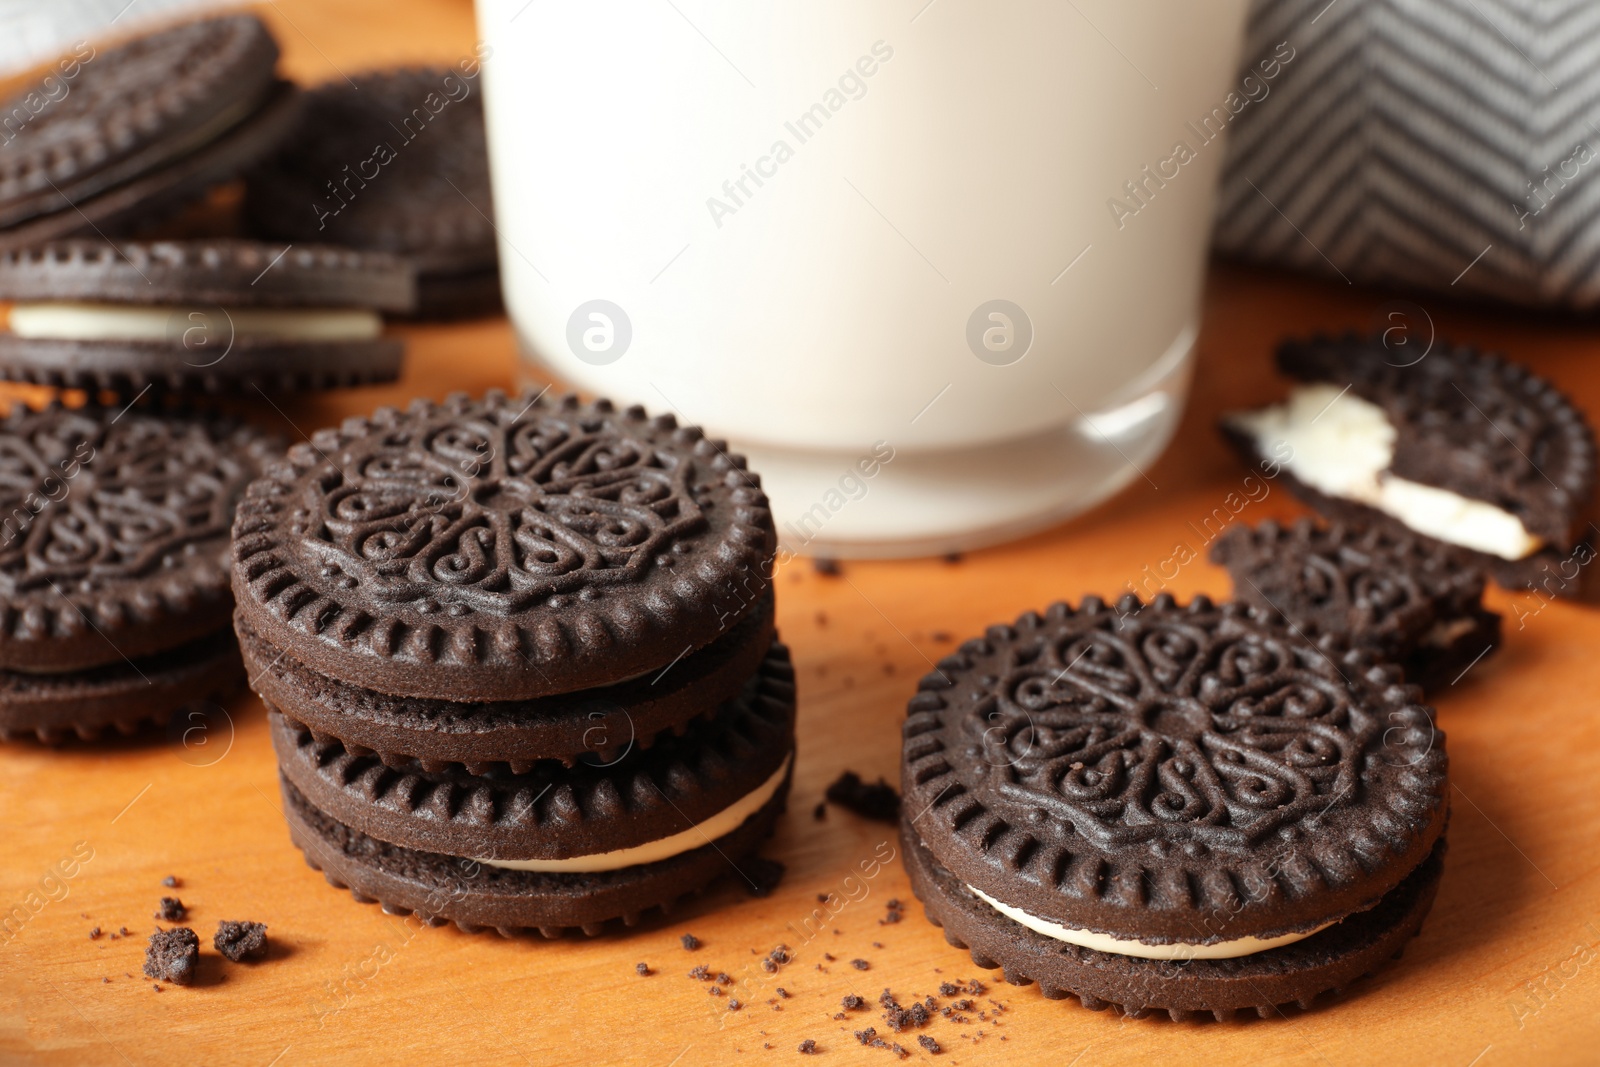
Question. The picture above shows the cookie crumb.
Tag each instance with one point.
(808, 1047)
(239, 941)
(851, 1002)
(944, 637)
(860, 964)
(171, 882)
(690, 942)
(94, 934)
(826, 566)
(724, 978)
(734, 1005)
(893, 912)
(643, 969)
(701, 973)
(172, 955)
(879, 801)
(782, 992)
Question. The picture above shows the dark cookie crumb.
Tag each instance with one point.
(828, 956)
(172, 955)
(715, 991)
(867, 1036)
(769, 966)
(171, 910)
(894, 911)
(690, 942)
(779, 955)
(763, 874)
(851, 1002)
(860, 964)
(808, 1047)
(826, 566)
(155, 987)
(701, 973)
(879, 801)
(94, 934)
(724, 978)
(820, 813)
(782, 992)
(240, 941)
(643, 969)
(734, 1005)
(171, 882)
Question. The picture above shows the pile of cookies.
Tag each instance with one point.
(519, 659)
(1201, 809)
(115, 510)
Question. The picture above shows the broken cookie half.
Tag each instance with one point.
(1461, 447)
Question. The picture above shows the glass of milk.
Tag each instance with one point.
(934, 266)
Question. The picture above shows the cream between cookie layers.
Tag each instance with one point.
(1178, 950)
(723, 822)
(1342, 446)
(69, 321)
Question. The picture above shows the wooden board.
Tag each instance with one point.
(1504, 971)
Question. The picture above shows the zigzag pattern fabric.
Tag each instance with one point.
(1448, 145)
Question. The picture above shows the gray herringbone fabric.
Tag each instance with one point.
(1407, 137)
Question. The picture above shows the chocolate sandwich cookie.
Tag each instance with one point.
(211, 315)
(502, 549)
(1460, 447)
(398, 165)
(553, 848)
(1408, 601)
(114, 568)
(109, 139)
(1172, 808)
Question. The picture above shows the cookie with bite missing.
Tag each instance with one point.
(1408, 601)
(1171, 808)
(1461, 448)
(207, 315)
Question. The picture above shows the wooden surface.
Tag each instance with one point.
(1505, 970)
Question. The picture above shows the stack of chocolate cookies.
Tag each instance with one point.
(519, 659)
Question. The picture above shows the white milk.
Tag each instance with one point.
(791, 221)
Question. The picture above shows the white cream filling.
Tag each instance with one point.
(1145, 950)
(1342, 446)
(725, 821)
(64, 320)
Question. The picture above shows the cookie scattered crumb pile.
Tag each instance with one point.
(114, 569)
(1281, 813)
(519, 659)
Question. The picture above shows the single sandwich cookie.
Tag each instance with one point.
(550, 849)
(501, 549)
(594, 725)
(1410, 601)
(114, 568)
(106, 140)
(398, 165)
(1180, 808)
(1461, 447)
(209, 315)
